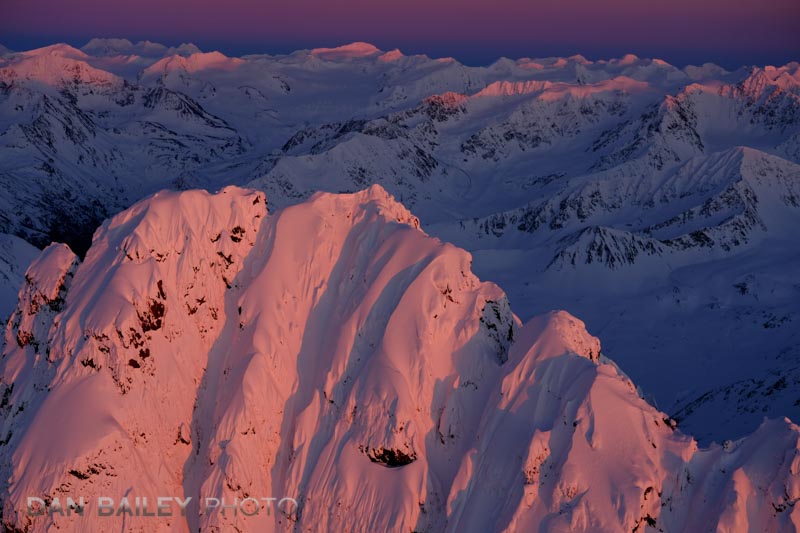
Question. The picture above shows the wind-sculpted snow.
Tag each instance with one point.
(334, 353)
(613, 188)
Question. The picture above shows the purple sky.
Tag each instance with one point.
(731, 32)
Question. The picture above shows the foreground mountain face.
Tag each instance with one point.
(334, 353)
(659, 204)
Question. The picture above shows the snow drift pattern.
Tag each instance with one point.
(334, 353)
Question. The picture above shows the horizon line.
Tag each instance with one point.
(22, 43)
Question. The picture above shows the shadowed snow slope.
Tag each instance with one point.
(334, 353)
(15, 256)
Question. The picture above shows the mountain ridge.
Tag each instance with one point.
(298, 361)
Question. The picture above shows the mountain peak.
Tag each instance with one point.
(107, 47)
(374, 198)
(391, 55)
(194, 62)
(57, 65)
(56, 50)
(556, 333)
(627, 59)
(349, 354)
(348, 51)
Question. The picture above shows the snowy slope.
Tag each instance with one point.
(573, 182)
(15, 256)
(698, 267)
(335, 353)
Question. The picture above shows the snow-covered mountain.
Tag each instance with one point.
(334, 353)
(657, 203)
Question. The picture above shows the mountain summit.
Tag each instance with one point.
(333, 353)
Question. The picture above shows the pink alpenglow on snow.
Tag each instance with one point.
(348, 51)
(333, 353)
(550, 91)
(193, 63)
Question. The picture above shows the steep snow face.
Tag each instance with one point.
(15, 257)
(334, 353)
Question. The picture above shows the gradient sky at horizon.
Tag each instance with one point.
(729, 32)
